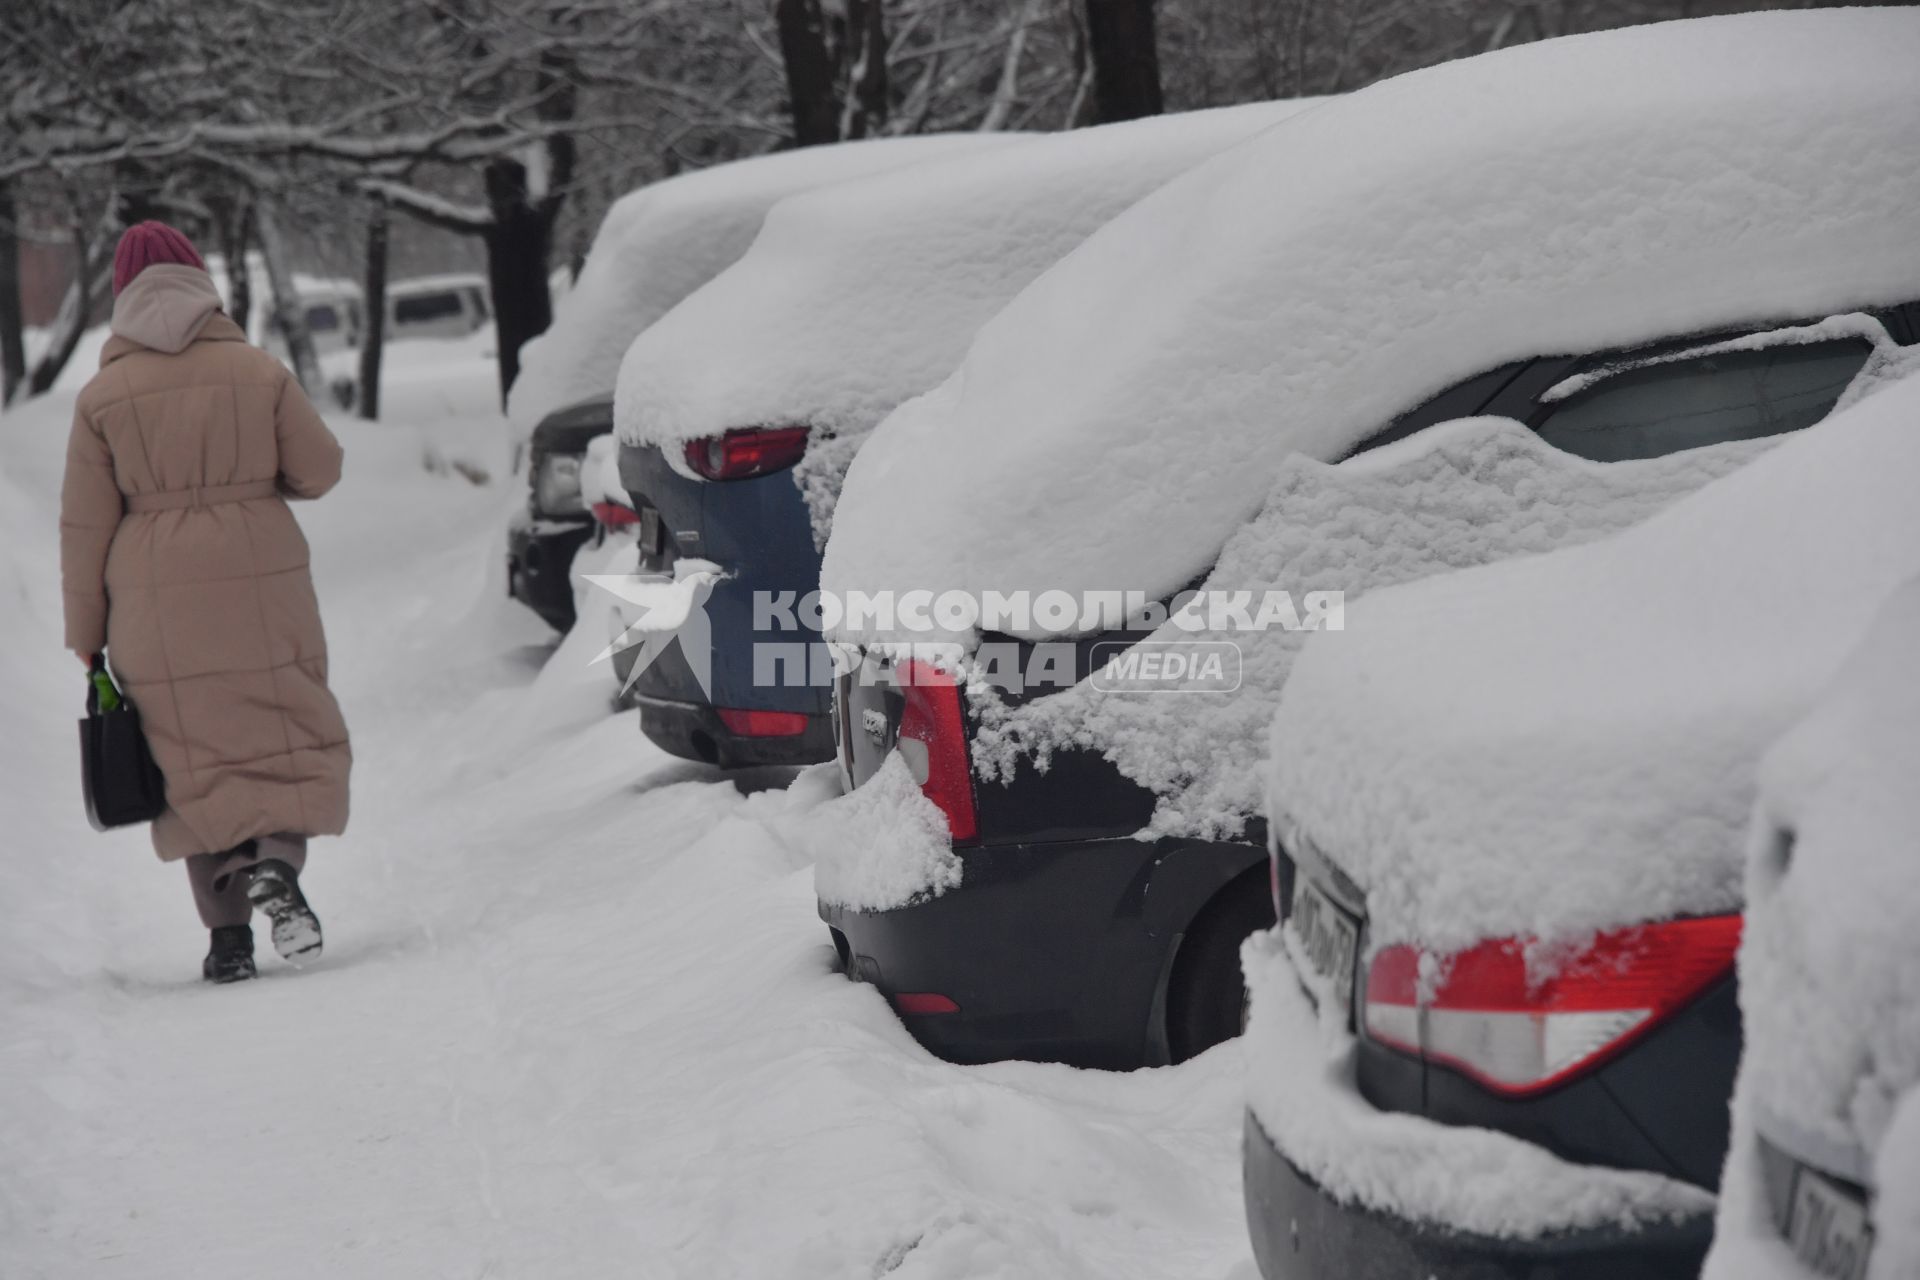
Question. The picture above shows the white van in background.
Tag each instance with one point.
(443, 306)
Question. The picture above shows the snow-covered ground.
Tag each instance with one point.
(576, 1016)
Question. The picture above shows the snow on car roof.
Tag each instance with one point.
(1114, 424)
(1567, 742)
(660, 243)
(436, 283)
(1830, 962)
(856, 297)
(323, 288)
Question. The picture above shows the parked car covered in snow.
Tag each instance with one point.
(655, 246)
(1823, 1179)
(333, 309)
(1498, 1031)
(1341, 283)
(741, 410)
(334, 313)
(443, 306)
(556, 522)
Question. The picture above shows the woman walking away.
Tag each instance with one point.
(180, 560)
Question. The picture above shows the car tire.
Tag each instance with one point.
(1207, 994)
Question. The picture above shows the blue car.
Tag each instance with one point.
(769, 695)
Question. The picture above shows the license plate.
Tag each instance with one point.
(1331, 938)
(649, 532)
(1829, 1230)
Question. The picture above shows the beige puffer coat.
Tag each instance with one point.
(179, 556)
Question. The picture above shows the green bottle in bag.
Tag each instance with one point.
(103, 687)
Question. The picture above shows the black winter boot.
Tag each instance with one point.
(274, 889)
(231, 958)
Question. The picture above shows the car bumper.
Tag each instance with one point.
(1047, 950)
(540, 565)
(694, 731)
(1300, 1232)
(1339, 1188)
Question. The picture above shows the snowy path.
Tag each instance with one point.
(576, 1015)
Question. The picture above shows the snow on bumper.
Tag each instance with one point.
(1300, 1088)
(881, 845)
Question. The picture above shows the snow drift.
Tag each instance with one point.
(660, 243)
(1114, 425)
(1567, 742)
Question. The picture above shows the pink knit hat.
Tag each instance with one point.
(146, 245)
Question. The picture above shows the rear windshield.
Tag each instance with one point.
(1657, 409)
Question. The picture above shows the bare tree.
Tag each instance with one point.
(374, 336)
(13, 352)
(289, 317)
(517, 122)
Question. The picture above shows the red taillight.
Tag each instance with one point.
(763, 724)
(1478, 1013)
(924, 1002)
(740, 455)
(615, 516)
(933, 738)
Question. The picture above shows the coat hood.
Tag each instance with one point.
(164, 309)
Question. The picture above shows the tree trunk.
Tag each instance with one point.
(235, 225)
(374, 335)
(13, 350)
(811, 71)
(517, 247)
(1126, 60)
(288, 314)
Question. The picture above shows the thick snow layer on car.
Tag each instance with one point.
(1567, 742)
(1114, 425)
(1830, 963)
(660, 243)
(1300, 1087)
(860, 295)
(1464, 493)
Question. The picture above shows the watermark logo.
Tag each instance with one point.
(1049, 613)
(1166, 666)
(786, 650)
(662, 609)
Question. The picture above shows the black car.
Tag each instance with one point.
(543, 536)
(1647, 1019)
(1067, 939)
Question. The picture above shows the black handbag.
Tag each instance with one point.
(117, 773)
